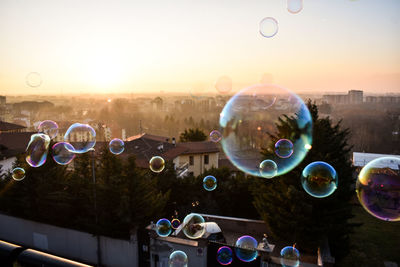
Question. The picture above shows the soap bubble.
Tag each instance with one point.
(33, 79)
(284, 148)
(163, 227)
(209, 183)
(48, 127)
(268, 27)
(37, 149)
(175, 223)
(178, 258)
(215, 136)
(268, 168)
(224, 255)
(18, 174)
(249, 128)
(319, 179)
(81, 136)
(157, 164)
(246, 248)
(290, 257)
(62, 153)
(378, 187)
(294, 6)
(223, 85)
(193, 226)
(116, 146)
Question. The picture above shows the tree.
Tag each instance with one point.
(291, 214)
(192, 135)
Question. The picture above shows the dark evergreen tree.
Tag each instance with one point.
(192, 135)
(291, 214)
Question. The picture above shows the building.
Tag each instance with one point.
(361, 159)
(352, 97)
(224, 231)
(6, 127)
(383, 99)
(188, 158)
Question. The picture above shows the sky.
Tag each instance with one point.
(121, 46)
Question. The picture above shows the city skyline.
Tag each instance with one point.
(113, 47)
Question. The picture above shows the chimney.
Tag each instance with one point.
(173, 141)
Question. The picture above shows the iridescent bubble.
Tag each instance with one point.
(178, 258)
(18, 174)
(81, 136)
(284, 148)
(193, 226)
(175, 223)
(215, 136)
(48, 127)
(163, 227)
(319, 179)
(249, 127)
(33, 79)
(209, 183)
(37, 149)
(157, 164)
(268, 27)
(223, 85)
(62, 153)
(268, 168)
(290, 257)
(378, 188)
(116, 146)
(246, 248)
(224, 255)
(294, 6)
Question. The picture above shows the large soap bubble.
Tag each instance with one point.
(249, 128)
(194, 226)
(37, 149)
(81, 136)
(378, 188)
(224, 255)
(246, 248)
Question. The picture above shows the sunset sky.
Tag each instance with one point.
(119, 46)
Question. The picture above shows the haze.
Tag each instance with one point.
(152, 46)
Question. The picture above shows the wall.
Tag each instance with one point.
(198, 167)
(68, 243)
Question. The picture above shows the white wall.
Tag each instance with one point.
(7, 165)
(71, 244)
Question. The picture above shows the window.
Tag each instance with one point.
(206, 159)
(191, 160)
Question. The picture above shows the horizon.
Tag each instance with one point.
(131, 47)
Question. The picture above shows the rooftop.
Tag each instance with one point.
(6, 126)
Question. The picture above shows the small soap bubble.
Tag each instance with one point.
(116, 146)
(62, 153)
(215, 136)
(33, 79)
(18, 174)
(268, 168)
(48, 127)
(268, 27)
(193, 226)
(157, 164)
(246, 248)
(319, 179)
(163, 227)
(178, 258)
(224, 255)
(209, 183)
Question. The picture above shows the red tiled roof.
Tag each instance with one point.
(15, 142)
(199, 147)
